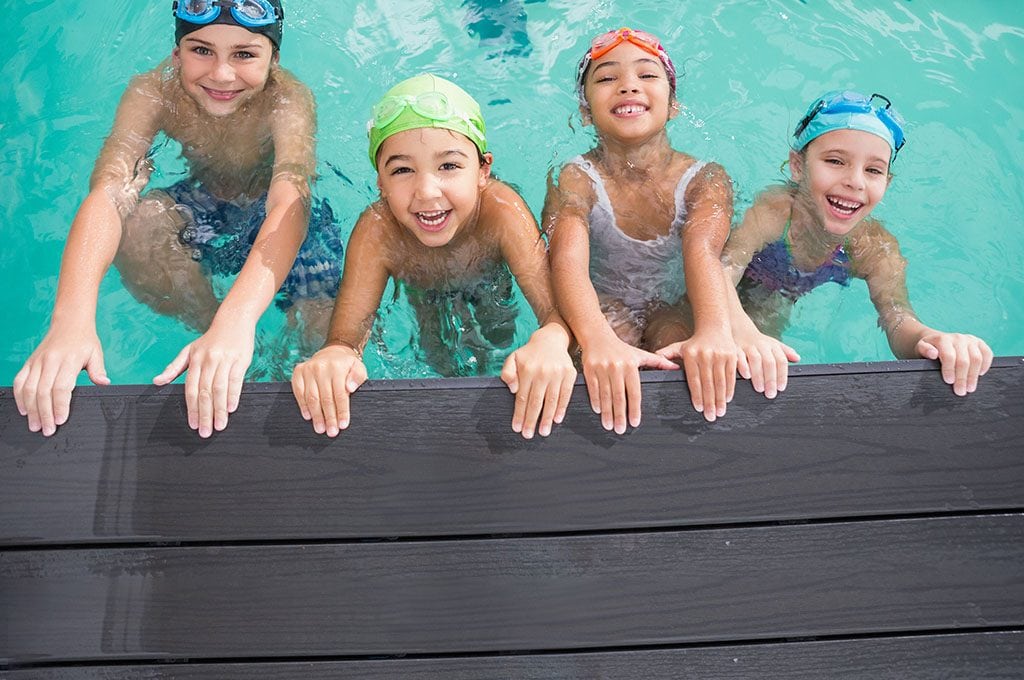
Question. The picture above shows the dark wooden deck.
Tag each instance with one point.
(866, 524)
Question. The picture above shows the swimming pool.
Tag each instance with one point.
(749, 69)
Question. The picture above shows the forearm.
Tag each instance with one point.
(714, 302)
(904, 334)
(91, 246)
(268, 263)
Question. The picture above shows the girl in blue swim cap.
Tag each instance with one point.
(819, 229)
(451, 236)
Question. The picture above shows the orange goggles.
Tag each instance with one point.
(603, 44)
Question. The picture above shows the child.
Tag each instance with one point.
(630, 212)
(246, 128)
(818, 229)
(443, 227)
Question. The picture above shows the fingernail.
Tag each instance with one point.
(527, 434)
(343, 424)
(544, 430)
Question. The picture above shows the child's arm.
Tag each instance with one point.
(322, 384)
(611, 367)
(762, 359)
(43, 386)
(540, 373)
(218, 359)
(876, 258)
(709, 356)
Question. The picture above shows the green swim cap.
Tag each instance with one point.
(426, 101)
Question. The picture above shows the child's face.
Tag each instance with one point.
(845, 174)
(222, 66)
(431, 180)
(629, 93)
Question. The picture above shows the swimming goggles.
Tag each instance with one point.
(603, 44)
(433, 106)
(248, 13)
(854, 102)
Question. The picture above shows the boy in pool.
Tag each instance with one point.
(246, 128)
(818, 228)
(443, 226)
(623, 219)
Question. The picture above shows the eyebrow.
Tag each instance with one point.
(244, 46)
(641, 60)
(408, 159)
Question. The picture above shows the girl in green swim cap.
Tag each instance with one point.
(444, 229)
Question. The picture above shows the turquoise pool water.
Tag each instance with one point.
(953, 68)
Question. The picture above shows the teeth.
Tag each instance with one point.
(844, 205)
(629, 108)
(432, 218)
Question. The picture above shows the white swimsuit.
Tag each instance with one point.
(635, 271)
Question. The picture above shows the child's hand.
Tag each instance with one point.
(612, 371)
(216, 363)
(323, 384)
(541, 375)
(964, 358)
(710, 365)
(43, 386)
(764, 361)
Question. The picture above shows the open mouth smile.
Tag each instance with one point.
(433, 220)
(843, 207)
(222, 95)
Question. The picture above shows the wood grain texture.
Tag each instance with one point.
(988, 656)
(876, 440)
(493, 595)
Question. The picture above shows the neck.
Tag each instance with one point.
(617, 156)
(808, 225)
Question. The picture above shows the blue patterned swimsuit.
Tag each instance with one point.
(772, 268)
(221, 233)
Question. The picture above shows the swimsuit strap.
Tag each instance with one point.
(603, 199)
(680, 195)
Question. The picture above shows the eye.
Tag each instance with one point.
(400, 170)
(834, 161)
(604, 79)
(450, 165)
(201, 50)
(650, 76)
(876, 171)
(244, 55)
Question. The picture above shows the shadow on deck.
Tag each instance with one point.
(867, 523)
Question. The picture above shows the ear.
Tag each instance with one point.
(674, 108)
(485, 169)
(275, 58)
(176, 56)
(585, 115)
(796, 165)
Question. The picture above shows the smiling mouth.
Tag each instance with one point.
(222, 95)
(434, 220)
(842, 206)
(629, 110)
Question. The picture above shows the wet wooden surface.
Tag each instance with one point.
(866, 508)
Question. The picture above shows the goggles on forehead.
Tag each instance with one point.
(855, 103)
(248, 13)
(433, 106)
(603, 44)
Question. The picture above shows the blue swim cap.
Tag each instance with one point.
(848, 110)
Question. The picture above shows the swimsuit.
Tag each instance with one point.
(634, 271)
(470, 329)
(772, 268)
(221, 233)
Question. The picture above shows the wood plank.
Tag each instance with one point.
(440, 459)
(492, 595)
(993, 656)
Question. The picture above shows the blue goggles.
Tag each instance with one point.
(248, 13)
(827, 114)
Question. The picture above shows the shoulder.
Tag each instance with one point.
(289, 94)
(574, 182)
(501, 206)
(873, 246)
(709, 177)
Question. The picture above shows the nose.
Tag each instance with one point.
(629, 84)
(223, 72)
(428, 186)
(855, 178)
